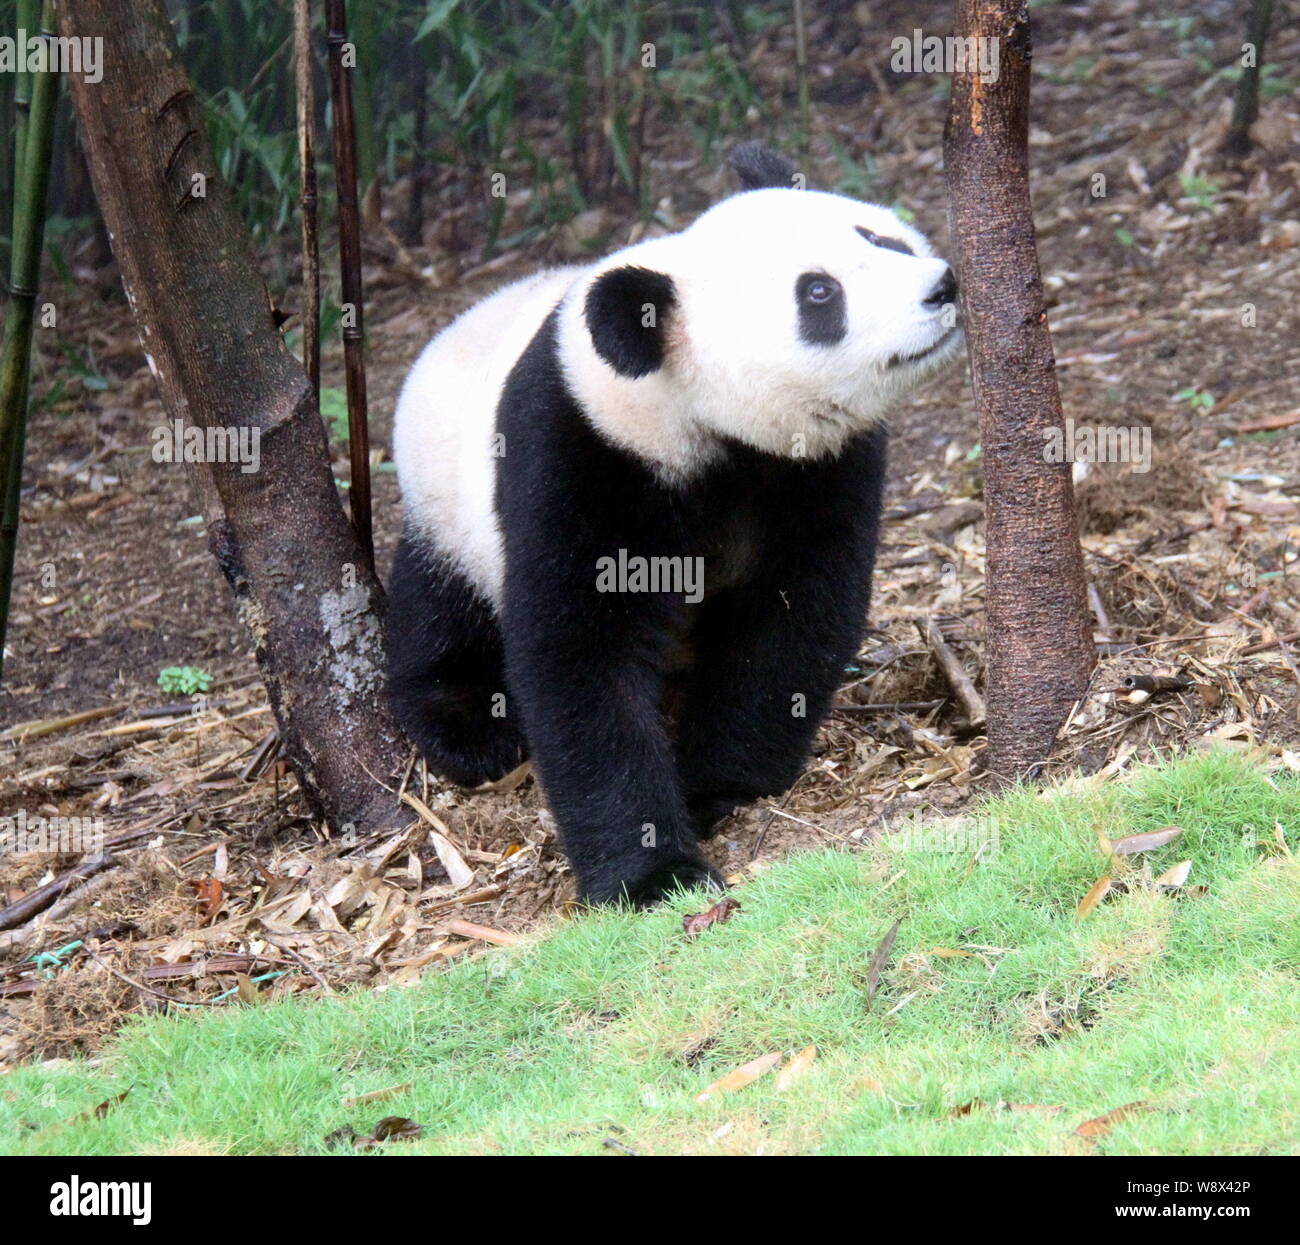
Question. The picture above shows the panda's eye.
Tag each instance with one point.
(823, 318)
(818, 290)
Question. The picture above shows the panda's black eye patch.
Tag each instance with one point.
(890, 244)
(820, 300)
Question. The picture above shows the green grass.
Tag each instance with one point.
(612, 1024)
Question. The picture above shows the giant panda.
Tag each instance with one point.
(712, 399)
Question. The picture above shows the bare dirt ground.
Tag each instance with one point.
(222, 886)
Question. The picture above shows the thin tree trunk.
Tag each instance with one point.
(279, 534)
(1039, 650)
(801, 72)
(354, 332)
(304, 66)
(1245, 104)
(413, 233)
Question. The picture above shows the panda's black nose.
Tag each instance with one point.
(943, 293)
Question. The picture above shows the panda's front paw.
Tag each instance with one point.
(658, 885)
(709, 812)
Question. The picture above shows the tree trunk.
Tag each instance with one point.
(1245, 103)
(1039, 649)
(279, 533)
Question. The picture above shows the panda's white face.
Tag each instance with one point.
(792, 320)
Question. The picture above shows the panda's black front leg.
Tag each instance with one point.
(587, 675)
(768, 664)
(770, 653)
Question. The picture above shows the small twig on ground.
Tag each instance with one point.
(34, 902)
(960, 682)
(1290, 638)
(897, 706)
(140, 985)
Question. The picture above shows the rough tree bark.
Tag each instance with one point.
(279, 533)
(1039, 649)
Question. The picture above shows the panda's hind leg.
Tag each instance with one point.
(446, 675)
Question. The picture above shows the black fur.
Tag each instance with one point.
(943, 293)
(788, 549)
(626, 312)
(890, 244)
(445, 668)
(822, 317)
(759, 167)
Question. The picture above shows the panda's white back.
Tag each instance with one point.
(446, 419)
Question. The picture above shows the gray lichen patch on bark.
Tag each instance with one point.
(356, 651)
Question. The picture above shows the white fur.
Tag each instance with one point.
(446, 420)
(734, 363)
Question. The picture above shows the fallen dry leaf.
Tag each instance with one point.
(97, 1112)
(1175, 876)
(508, 782)
(879, 960)
(1100, 888)
(1102, 1124)
(397, 1128)
(390, 1128)
(693, 926)
(1147, 842)
(795, 1068)
(375, 1095)
(452, 861)
(501, 937)
(738, 1078)
(209, 894)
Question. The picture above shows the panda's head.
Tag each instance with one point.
(786, 319)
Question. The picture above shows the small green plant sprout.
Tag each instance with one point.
(1199, 399)
(1201, 191)
(184, 680)
(334, 411)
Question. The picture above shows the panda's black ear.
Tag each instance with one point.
(627, 314)
(759, 167)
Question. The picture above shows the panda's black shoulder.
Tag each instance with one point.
(555, 462)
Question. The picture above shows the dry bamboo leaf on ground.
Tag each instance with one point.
(1175, 876)
(375, 1095)
(1102, 1124)
(795, 1068)
(98, 1112)
(738, 1078)
(467, 929)
(452, 861)
(426, 812)
(1147, 842)
(506, 783)
(879, 959)
(1100, 889)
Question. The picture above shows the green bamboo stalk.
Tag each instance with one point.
(7, 119)
(27, 15)
(32, 177)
